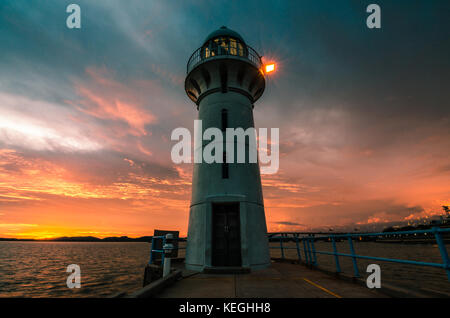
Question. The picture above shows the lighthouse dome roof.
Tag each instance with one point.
(223, 31)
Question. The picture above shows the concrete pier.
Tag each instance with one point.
(281, 280)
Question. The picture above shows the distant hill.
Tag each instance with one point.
(15, 239)
(86, 239)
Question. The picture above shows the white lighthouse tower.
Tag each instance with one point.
(227, 225)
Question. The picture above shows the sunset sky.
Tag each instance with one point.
(86, 115)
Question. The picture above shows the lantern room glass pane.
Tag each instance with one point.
(223, 42)
(214, 48)
(223, 46)
(241, 49)
(233, 47)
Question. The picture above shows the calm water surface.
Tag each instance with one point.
(38, 269)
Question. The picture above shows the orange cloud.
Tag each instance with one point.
(104, 98)
(42, 199)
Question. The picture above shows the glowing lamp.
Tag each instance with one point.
(269, 68)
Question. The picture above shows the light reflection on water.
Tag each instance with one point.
(38, 269)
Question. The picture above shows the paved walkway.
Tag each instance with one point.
(281, 280)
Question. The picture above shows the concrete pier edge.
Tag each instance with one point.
(155, 287)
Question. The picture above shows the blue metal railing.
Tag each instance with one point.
(310, 252)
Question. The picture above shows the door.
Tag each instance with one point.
(226, 234)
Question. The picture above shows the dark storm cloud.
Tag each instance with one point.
(324, 45)
(36, 44)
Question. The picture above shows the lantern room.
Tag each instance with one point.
(224, 42)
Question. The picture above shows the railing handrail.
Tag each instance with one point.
(251, 56)
(323, 235)
(172, 239)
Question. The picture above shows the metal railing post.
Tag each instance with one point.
(352, 251)
(281, 247)
(151, 252)
(313, 251)
(309, 251)
(298, 249)
(304, 249)
(336, 257)
(167, 248)
(443, 250)
(162, 254)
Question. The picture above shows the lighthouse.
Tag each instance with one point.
(227, 225)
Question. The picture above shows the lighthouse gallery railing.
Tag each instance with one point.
(199, 57)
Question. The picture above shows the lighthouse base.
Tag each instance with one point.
(226, 270)
(227, 231)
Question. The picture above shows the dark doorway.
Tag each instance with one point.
(226, 234)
